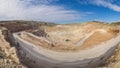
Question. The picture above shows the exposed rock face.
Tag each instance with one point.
(8, 51)
(39, 32)
(8, 55)
(19, 26)
(114, 60)
(40, 57)
(38, 45)
(53, 50)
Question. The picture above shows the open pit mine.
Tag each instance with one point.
(45, 45)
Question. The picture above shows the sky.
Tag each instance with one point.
(60, 11)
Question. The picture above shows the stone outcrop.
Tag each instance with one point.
(8, 54)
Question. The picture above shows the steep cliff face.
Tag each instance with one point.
(8, 54)
(8, 49)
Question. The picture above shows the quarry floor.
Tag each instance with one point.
(69, 56)
(81, 42)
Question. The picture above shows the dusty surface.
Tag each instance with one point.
(64, 38)
(64, 47)
(85, 45)
(114, 60)
(95, 55)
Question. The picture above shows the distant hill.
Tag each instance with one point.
(116, 23)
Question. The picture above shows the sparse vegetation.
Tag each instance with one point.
(67, 40)
(115, 23)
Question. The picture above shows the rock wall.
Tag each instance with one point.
(8, 55)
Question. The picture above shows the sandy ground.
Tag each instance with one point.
(3, 42)
(60, 57)
(88, 41)
(83, 51)
(69, 48)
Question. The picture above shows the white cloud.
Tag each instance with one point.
(25, 10)
(108, 4)
(105, 3)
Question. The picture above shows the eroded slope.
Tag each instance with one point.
(84, 46)
(65, 38)
(8, 55)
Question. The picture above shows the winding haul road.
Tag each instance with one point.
(88, 58)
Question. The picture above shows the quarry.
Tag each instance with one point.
(45, 45)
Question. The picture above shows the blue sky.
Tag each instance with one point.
(60, 11)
